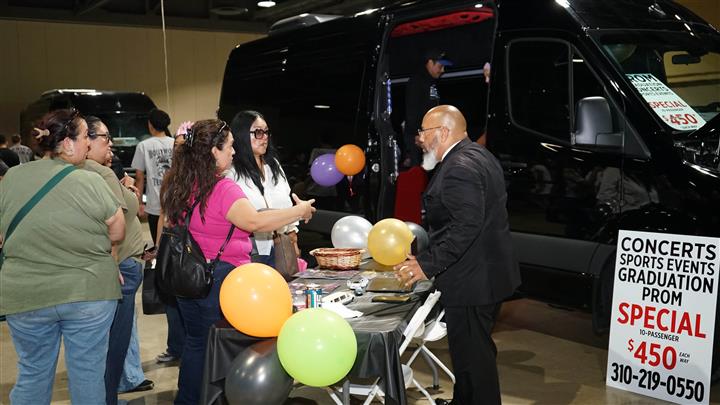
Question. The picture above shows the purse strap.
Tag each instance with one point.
(222, 248)
(33, 202)
(227, 239)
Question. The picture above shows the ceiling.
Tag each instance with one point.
(213, 15)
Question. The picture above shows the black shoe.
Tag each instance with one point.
(146, 385)
(440, 401)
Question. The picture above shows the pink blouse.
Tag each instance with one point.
(211, 234)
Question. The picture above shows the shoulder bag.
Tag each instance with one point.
(286, 260)
(183, 269)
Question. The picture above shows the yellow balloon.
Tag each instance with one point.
(389, 241)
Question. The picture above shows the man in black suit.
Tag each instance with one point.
(470, 252)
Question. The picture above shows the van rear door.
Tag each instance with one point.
(464, 32)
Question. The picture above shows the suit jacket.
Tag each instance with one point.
(470, 253)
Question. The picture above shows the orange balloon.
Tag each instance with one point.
(256, 300)
(350, 160)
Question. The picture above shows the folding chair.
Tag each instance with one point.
(413, 330)
(432, 333)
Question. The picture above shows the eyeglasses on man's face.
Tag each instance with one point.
(260, 133)
(421, 130)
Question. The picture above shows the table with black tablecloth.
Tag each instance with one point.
(378, 333)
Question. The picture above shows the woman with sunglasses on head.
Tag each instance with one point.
(128, 253)
(197, 176)
(256, 169)
(58, 279)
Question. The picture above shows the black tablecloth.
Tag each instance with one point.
(378, 333)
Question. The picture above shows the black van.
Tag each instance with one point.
(124, 113)
(572, 111)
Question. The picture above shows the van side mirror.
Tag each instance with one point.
(594, 124)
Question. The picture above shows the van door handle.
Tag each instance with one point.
(513, 167)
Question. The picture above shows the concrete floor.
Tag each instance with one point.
(546, 355)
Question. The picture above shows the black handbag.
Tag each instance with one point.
(152, 302)
(181, 267)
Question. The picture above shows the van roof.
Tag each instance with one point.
(91, 101)
(633, 14)
(88, 92)
(593, 14)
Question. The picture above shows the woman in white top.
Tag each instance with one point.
(257, 171)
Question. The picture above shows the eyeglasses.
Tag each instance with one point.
(421, 130)
(260, 133)
(105, 135)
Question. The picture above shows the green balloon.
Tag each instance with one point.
(317, 347)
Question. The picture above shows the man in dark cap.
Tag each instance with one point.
(421, 95)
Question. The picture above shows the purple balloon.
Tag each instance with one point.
(324, 171)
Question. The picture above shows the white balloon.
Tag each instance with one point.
(351, 232)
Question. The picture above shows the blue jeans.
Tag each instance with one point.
(176, 331)
(199, 315)
(36, 335)
(132, 272)
(133, 373)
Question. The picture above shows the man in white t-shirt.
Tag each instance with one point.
(152, 159)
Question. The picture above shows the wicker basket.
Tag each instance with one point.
(338, 258)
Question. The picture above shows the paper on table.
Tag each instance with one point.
(341, 310)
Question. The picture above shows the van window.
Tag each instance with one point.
(319, 114)
(676, 73)
(538, 80)
(313, 105)
(547, 82)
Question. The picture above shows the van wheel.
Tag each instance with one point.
(602, 297)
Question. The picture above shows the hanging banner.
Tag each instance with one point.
(663, 316)
(665, 103)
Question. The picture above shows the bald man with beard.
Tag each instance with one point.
(470, 254)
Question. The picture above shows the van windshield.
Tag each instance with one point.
(676, 73)
(126, 129)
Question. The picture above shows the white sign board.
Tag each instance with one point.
(665, 103)
(663, 316)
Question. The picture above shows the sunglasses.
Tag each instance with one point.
(260, 133)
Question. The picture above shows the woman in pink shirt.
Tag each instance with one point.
(197, 173)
